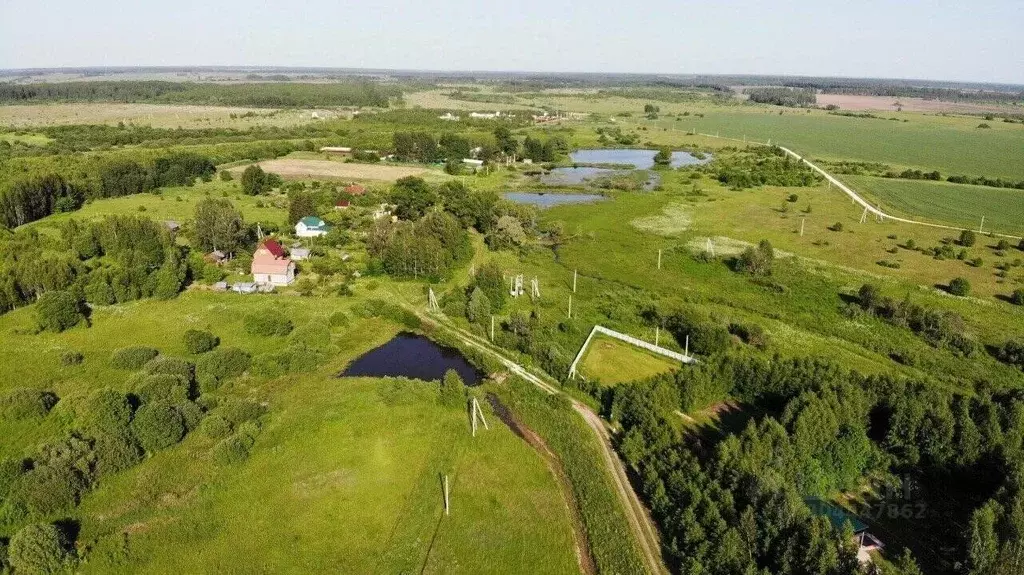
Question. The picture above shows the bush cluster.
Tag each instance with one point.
(132, 357)
(200, 341)
(23, 403)
(267, 323)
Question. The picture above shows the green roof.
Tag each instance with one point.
(837, 515)
(313, 222)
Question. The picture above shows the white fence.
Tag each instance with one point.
(630, 340)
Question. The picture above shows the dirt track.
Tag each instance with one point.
(298, 168)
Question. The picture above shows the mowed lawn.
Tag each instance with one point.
(943, 202)
(345, 476)
(611, 361)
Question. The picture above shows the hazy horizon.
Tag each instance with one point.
(930, 40)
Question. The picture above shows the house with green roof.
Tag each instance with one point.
(311, 227)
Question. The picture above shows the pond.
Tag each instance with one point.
(639, 159)
(414, 356)
(546, 200)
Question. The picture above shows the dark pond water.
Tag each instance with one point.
(640, 159)
(414, 356)
(546, 200)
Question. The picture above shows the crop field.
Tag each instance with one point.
(156, 115)
(942, 202)
(951, 145)
(296, 168)
(610, 361)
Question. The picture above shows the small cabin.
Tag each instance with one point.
(311, 227)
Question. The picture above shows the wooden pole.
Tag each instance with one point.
(492, 328)
(574, 281)
(687, 346)
(659, 259)
(446, 495)
(472, 410)
(569, 316)
(982, 226)
(802, 222)
(480, 410)
(657, 334)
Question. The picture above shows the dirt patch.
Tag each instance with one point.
(296, 168)
(674, 219)
(580, 540)
(890, 104)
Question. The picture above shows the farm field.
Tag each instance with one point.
(305, 168)
(942, 202)
(609, 361)
(952, 145)
(157, 115)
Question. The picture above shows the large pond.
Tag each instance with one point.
(413, 356)
(546, 199)
(639, 159)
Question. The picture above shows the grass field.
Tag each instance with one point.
(345, 476)
(955, 204)
(610, 361)
(27, 139)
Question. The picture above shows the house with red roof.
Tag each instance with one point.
(355, 190)
(342, 205)
(271, 265)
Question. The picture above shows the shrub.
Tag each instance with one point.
(106, 411)
(191, 414)
(215, 427)
(1003, 245)
(1017, 297)
(225, 176)
(339, 319)
(10, 470)
(267, 323)
(959, 287)
(39, 548)
(239, 411)
(158, 425)
(132, 357)
(757, 261)
(967, 238)
(453, 393)
(231, 450)
(836, 227)
(116, 453)
(214, 368)
(200, 341)
(271, 365)
(1012, 353)
(184, 370)
(161, 387)
(50, 489)
(58, 310)
(706, 337)
(23, 403)
(69, 358)
(750, 334)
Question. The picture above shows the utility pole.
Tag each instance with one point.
(659, 259)
(657, 333)
(492, 328)
(802, 222)
(982, 226)
(574, 281)
(446, 495)
(570, 308)
(687, 345)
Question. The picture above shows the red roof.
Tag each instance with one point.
(274, 248)
(342, 203)
(355, 189)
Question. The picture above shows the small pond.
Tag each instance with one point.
(414, 356)
(639, 159)
(546, 200)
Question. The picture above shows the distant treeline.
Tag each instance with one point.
(260, 95)
(792, 97)
(902, 91)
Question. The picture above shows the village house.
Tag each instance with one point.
(355, 190)
(311, 227)
(342, 204)
(271, 266)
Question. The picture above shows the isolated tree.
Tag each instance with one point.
(663, 157)
(300, 205)
(200, 341)
(490, 280)
(479, 307)
(960, 287)
(757, 261)
(967, 238)
(225, 176)
(452, 389)
(158, 425)
(254, 180)
(219, 226)
(507, 143)
(1018, 296)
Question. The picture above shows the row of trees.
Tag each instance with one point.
(792, 97)
(761, 166)
(35, 197)
(424, 147)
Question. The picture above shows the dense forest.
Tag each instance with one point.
(259, 95)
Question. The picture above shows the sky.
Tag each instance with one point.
(977, 40)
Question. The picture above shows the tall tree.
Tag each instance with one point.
(218, 226)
